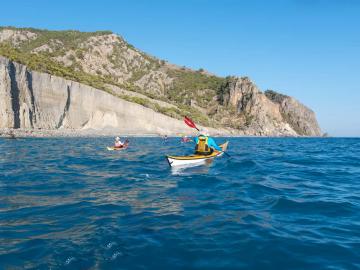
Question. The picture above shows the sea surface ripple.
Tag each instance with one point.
(277, 203)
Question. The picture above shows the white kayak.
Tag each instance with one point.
(194, 160)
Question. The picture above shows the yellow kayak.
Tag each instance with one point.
(195, 159)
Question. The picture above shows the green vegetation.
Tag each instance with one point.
(69, 39)
(44, 64)
(275, 96)
(137, 75)
(196, 86)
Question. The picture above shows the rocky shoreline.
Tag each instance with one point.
(45, 133)
(12, 133)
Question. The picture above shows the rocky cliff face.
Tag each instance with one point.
(267, 114)
(72, 79)
(300, 118)
(36, 100)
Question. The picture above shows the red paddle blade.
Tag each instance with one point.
(189, 122)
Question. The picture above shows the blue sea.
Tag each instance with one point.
(276, 203)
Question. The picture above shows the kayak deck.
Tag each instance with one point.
(195, 159)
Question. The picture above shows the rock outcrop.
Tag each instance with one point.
(301, 118)
(269, 114)
(16, 37)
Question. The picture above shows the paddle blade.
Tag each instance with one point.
(189, 122)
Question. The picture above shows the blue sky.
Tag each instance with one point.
(309, 49)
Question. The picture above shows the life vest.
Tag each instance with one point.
(202, 147)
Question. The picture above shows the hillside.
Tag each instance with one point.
(105, 61)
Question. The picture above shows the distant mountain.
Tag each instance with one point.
(106, 62)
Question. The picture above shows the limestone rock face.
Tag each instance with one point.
(265, 115)
(36, 100)
(300, 118)
(16, 36)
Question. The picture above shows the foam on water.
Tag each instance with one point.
(277, 203)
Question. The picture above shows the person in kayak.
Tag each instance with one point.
(205, 145)
(185, 139)
(118, 143)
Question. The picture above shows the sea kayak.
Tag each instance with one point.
(194, 160)
(112, 148)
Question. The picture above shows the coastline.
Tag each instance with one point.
(47, 133)
(83, 133)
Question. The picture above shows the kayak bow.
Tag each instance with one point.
(195, 160)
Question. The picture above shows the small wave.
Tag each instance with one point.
(327, 208)
(69, 260)
(110, 245)
(243, 164)
(116, 255)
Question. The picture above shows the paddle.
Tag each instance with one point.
(191, 124)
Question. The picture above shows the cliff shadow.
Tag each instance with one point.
(32, 113)
(66, 108)
(15, 95)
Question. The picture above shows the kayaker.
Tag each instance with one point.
(118, 143)
(185, 139)
(205, 145)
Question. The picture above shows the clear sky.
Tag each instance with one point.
(309, 49)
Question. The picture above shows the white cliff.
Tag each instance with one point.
(36, 100)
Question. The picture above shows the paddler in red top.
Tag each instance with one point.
(118, 143)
